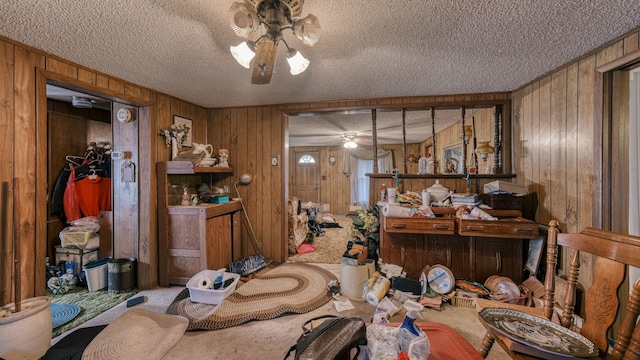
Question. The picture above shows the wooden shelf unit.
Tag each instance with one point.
(194, 238)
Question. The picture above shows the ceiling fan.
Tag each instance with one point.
(271, 17)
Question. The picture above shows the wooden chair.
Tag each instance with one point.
(614, 253)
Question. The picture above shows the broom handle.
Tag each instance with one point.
(252, 234)
(16, 247)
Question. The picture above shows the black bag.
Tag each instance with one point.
(331, 340)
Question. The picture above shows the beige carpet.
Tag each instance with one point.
(272, 338)
(330, 246)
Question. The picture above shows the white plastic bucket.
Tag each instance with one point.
(352, 278)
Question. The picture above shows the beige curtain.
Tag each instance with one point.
(351, 156)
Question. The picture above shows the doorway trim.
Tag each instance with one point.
(147, 262)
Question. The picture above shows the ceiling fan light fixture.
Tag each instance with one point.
(350, 144)
(297, 62)
(244, 53)
(271, 18)
(307, 29)
(243, 20)
(350, 141)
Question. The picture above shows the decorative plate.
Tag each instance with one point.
(538, 333)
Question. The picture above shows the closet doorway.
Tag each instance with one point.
(82, 133)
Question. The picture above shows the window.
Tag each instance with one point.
(306, 159)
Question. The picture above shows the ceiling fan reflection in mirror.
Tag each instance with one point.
(350, 141)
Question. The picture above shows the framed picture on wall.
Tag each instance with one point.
(179, 121)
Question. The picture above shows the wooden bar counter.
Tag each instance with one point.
(471, 249)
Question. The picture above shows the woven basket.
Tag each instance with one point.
(463, 301)
(75, 238)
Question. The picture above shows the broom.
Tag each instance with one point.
(251, 263)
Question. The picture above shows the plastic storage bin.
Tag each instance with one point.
(200, 292)
(95, 273)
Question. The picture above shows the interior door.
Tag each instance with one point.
(306, 180)
(125, 181)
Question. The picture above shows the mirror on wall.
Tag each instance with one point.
(333, 129)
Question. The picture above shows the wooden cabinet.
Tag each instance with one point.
(193, 238)
(452, 251)
(471, 249)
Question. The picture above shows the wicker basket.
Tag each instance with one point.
(463, 301)
(75, 238)
(503, 201)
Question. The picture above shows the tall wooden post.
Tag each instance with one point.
(404, 142)
(433, 140)
(464, 145)
(374, 133)
(497, 140)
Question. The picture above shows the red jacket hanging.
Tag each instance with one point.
(94, 195)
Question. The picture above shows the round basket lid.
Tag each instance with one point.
(441, 279)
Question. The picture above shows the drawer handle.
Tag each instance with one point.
(398, 226)
(449, 258)
(441, 226)
(524, 231)
(475, 228)
(498, 262)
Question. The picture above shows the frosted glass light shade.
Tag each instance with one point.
(350, 144)
(297, 62)
(307, 29)
(243, 54)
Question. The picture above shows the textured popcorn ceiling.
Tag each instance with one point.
(368, 48)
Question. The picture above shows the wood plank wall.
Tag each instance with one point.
(251, 150)
(23, 151)
(571, 194)
(334, 185)
(558, 141)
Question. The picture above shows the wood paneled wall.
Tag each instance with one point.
(24, 72)
(557, 148)
(255, 134)
(334, 185)
(558, 141)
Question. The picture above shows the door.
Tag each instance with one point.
(306, 180)
(125, 181)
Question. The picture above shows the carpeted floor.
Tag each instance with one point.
(330, 246)
(272, 338)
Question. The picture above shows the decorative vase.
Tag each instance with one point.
(26, 334)
(174, 148)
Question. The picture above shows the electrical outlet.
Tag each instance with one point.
(274, 161)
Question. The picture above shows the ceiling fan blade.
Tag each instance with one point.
(264, 62)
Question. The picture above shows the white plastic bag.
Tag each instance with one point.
(382, 342)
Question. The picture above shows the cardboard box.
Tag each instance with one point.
(506, 186)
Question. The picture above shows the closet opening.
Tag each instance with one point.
(79, 172)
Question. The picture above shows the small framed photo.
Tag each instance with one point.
(179, 121)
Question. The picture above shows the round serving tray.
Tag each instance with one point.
(538, 333)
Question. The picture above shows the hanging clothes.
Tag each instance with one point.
(94, 194)
(71, 203)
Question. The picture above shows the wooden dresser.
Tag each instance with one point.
(198, 237)
(471, 249)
